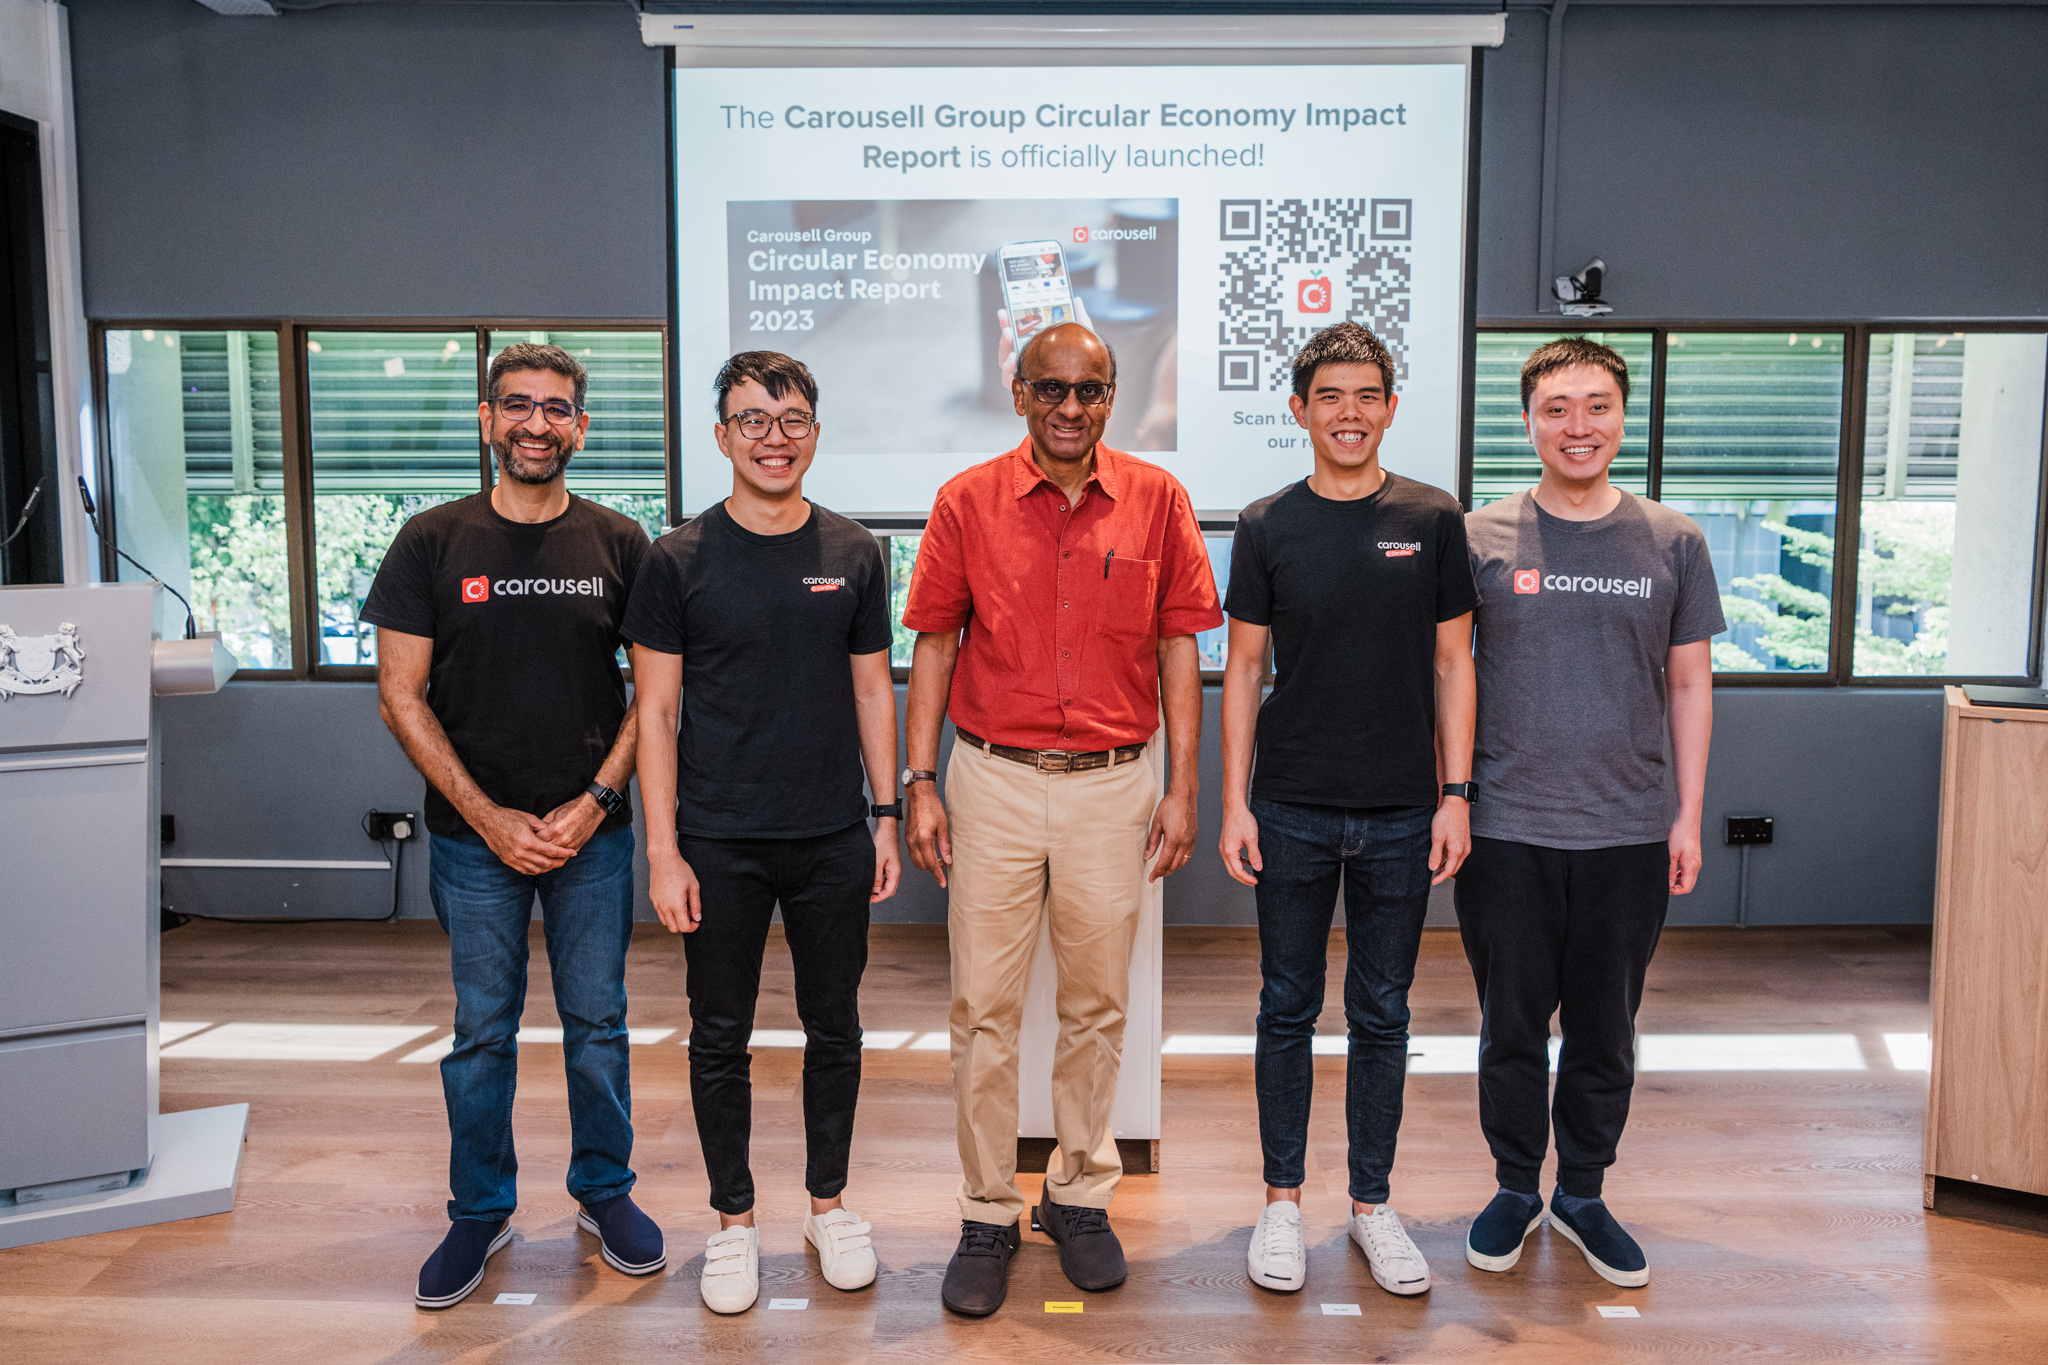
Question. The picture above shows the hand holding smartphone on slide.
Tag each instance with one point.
(1038, 295)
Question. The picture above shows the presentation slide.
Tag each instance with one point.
(895, 228)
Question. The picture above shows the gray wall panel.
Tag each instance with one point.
(286, 770)
(1764, 161)
(375, 160)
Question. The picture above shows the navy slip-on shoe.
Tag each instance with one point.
(1497, 1234)
(630, 1241)
(457, 1266)
(1607, 1247)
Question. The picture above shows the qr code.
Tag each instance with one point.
(1292, 267)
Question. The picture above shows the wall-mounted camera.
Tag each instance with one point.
(1578, 296)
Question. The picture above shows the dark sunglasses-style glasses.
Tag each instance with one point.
(517, 408)
(1053, 392)
(754, 424)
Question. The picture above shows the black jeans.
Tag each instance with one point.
(822, 885)
(1383, 856)
(1571, 931)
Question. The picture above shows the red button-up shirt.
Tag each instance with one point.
(1064, 605)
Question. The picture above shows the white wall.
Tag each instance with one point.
(35, 83)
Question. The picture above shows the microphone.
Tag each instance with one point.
(92, 519)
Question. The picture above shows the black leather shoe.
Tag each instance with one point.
(457, 1266)
(1090, 1254)
(978, 1276)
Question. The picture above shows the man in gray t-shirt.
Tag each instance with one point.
(1595, 709)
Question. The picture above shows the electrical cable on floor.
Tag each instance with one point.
(393, 848)
(1742, 889)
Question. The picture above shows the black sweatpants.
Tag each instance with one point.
(1570, 931)
(822, 885)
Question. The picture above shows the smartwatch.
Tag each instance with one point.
(892, 811)
(609, 801)
(910, 775)
(1468, 790)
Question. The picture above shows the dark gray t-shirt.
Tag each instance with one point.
(1574, 622)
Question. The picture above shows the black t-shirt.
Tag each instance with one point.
(524, 617)
(1353, 593)
(767, 742)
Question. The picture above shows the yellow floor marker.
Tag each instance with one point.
(1056, 1306)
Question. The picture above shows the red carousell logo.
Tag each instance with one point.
(1080, 234)
(476, 589)
(1312, 295)
(1528, 580)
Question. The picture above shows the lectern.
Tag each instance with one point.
(1987, 1102)
(82, 1148)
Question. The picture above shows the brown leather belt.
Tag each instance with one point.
(1055, 760)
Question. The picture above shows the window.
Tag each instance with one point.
(1951, 436)
(1214, 645)
(1503, 461)
(1751, 448)
(394, 432)
(195, 437)
(901, 553)
(623, 461)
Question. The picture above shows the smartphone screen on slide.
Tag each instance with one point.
(1035, 287)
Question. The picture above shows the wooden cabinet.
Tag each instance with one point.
(1987, 1104)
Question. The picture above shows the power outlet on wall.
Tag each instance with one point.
(1748, 829)
(384, 825)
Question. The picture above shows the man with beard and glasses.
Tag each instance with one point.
(498, 635)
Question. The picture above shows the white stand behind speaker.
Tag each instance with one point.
(1135, 1116)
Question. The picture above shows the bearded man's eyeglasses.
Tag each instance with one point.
(1053, 392)
(518, 407)
(754, 424)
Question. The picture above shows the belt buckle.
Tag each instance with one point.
(1052, 761)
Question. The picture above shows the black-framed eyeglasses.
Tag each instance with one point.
(518, 407)
(1053, 392)
(754, 424)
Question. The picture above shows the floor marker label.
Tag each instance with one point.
(1059, 1306)
(1608, 1310)
(1341, 1310)
(513, 1298)
(794, 1305)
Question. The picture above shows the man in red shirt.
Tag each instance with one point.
(1056, 598)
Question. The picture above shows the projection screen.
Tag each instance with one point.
(894, 201)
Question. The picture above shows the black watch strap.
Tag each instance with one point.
(892, 811)
(608, 800)
(1468, 790)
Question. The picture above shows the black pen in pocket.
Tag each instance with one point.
(1105, 561)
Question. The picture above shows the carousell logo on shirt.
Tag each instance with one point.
(481, 589)
(1530, 580)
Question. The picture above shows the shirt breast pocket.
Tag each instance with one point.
(1130, 597)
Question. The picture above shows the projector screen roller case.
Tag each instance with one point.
(899, 229)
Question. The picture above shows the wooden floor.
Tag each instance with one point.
(1780, 1210)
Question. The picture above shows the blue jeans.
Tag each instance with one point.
(587, 913)
(1383, 857)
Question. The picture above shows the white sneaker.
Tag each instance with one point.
(845, 1255)
(1396, 1264)
(732, 1270)
(1278, 1258)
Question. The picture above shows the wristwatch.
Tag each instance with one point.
(609, 801)
(892, 811)
(1468, 790)
(910, 775)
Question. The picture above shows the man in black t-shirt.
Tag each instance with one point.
(761, 636)
(498, 634)
(1359, 579)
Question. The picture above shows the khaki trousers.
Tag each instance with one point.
(1031, 848)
